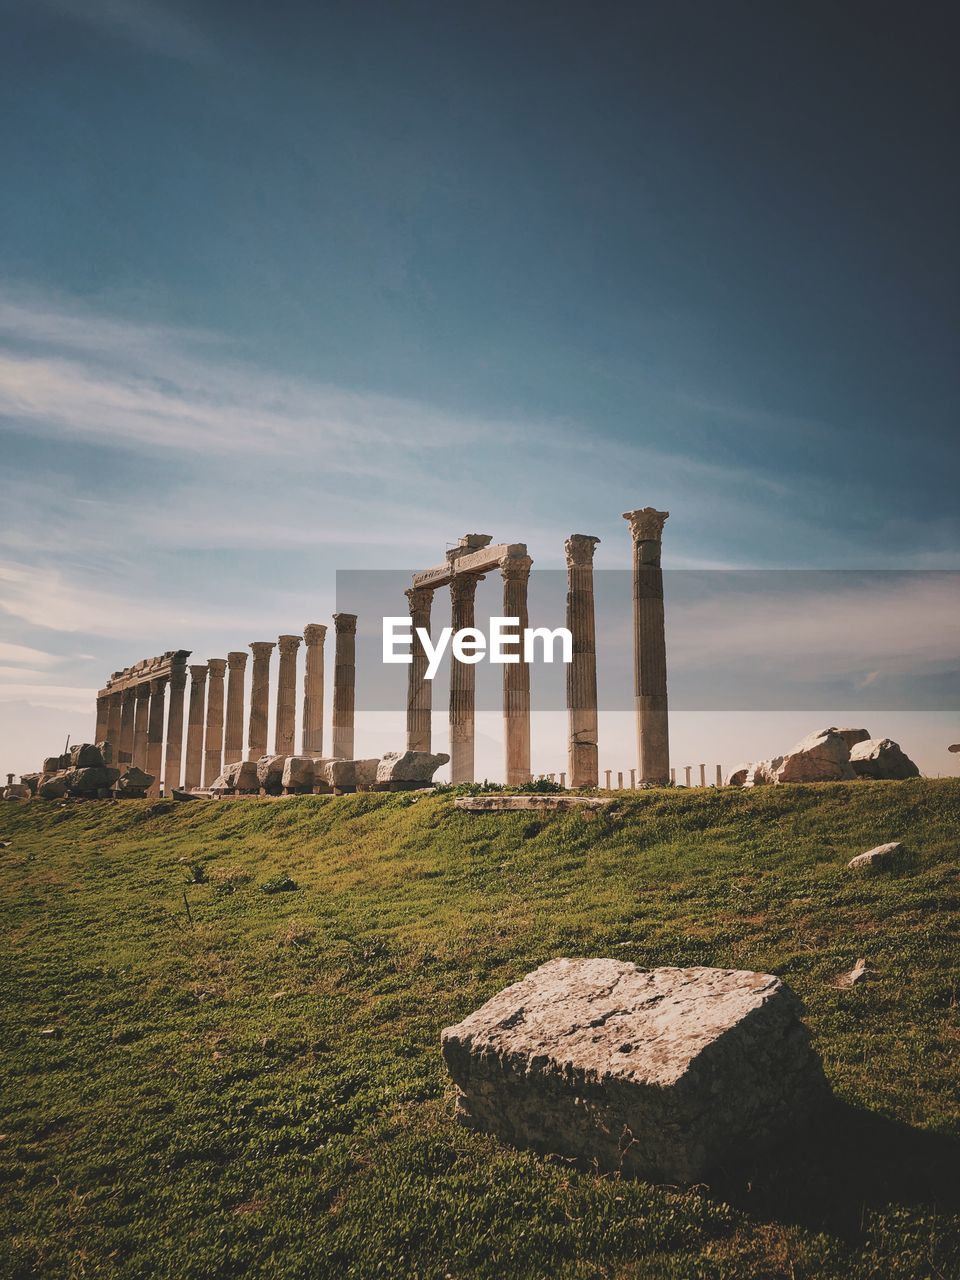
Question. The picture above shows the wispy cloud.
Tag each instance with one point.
(157, 28)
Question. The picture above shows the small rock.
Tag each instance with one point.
(280, 883)
(47, 1032)
(857, 974)
(876, 858)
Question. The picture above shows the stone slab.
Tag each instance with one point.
(519, 804)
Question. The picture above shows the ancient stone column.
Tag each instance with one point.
(463, 681)
(128, 700)
(141, 716)
(213, 736)
(259, 699)
(419, 689)
(344, 684)
(314, 635)
(582, 671)
(703, 775)
(114, 705)
(286, 724)
(100, 731)
(174, 752)
(719, 776)
(158, 690)
(516, 675)
(233, 728)
(649, 651)
(194, 762)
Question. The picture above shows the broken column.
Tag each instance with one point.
(314, 635)
(582, 670)
(213, 736)
(259, 699)
(344, 684)
(463, 699)
(419, 688)
(141, 716)
(649, 653)
(193, 767)
(174, 751)
(158, 690)
(285, 734)
(128, 699)
(515, 569)
(233, 727)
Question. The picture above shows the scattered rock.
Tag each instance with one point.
(409, 768)
(298, 773)
(240, 776)
(86, 756)
(762, 773)
(738, 776)
(882, 758)
(31, 781)
(52, 786)
(547, 803)
(349, 775)
(851, 736)
(875, 859)
(857, 974)
(280, 883)
(17, 791)
(663, 1073)
(820, 757)
(134, 784)
(51, 764)
(270, 773)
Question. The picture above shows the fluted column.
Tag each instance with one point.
(141, 716)
(314, 635)
(233, 730)
(213, 734)
(419, 689)
(463, 699)
(193, 766)
(650, 650)
(583, 766)
(286, 726)
(344, 684)
(174, 752)
(259, 699)
(114, 706)
(516, 675)
(100, 730)
(128, 701)
(158, 692)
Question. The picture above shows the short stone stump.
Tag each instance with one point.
(664, 1074)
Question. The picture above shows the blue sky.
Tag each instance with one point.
(292, 288)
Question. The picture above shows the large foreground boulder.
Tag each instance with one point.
(821, 757)
(409, 768)
(663, 1073)
(882, 758)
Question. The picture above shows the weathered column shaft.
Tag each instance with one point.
(516, 675)
(463, 682)
(114, 708)
(314, 635)
(344, 684)
(103, 711)
(128, 701)
(582, 671)
(419, 689)
(193, 766)
(141, 716)
(213, 735)
(233, 729)
(158, 690)
(258, 730)
(650, 651)
(286, 724)
(174, 752)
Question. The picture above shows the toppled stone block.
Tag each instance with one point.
(133, 784)
(763, 772)
(875, 859)
(31, 780)
(663, 1073)
(270, 773)
(86, 780)
(737, 777)
(17, 791)
(851, 736)
(240, 776)
(349, 775)
(520, 804)
(52, 786)
(409, 768)
(820, 757)
(882, 758)
(51, 764)
(298, 773)
(86, 756)
(106, 752)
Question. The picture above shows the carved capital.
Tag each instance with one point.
(289, 644)
(158, 685)
(178, 679)
(646, 523)
(314, 633)
(580, 548)
(463, 587)
(237, 660)
(198, 673)
(516, 568)
(420, 599)
(262, 649)
(216, 667)
(345, 623)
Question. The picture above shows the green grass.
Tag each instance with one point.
(257, 1089)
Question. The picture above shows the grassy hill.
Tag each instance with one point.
(206, 1080)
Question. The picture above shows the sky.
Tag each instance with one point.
(300, 288)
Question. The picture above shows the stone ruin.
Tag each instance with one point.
(84, 772)
(830, 755)
(319, 775)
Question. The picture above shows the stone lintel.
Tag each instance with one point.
(482, 561)
(147, 669)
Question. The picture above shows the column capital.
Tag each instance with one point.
(646, 523)
(142, 690)
(463, 586)
(262, 648)
(579, 548)
(217, 666)
(314, 633)
(419, 598)
(516, 568)
(289, 644)
(158, 684)
(237, 660)
(178, 677)
(346, 622)
(198, 673)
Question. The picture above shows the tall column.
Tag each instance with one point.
(314, 635)
(583, 765)
(516, 675)
(100, 731)
(128, 699)
(174, 754)
(649, 645)
(158, 690)
(114, 703)
(213, 735)
(344, 684)
(463, 699)
(259, 699)
(285, 734)
(193, 766)
(141, 716)
(233, 732)
(419, 689)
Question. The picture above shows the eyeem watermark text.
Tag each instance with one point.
(470, 645)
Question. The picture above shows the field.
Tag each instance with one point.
(202, 1079)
